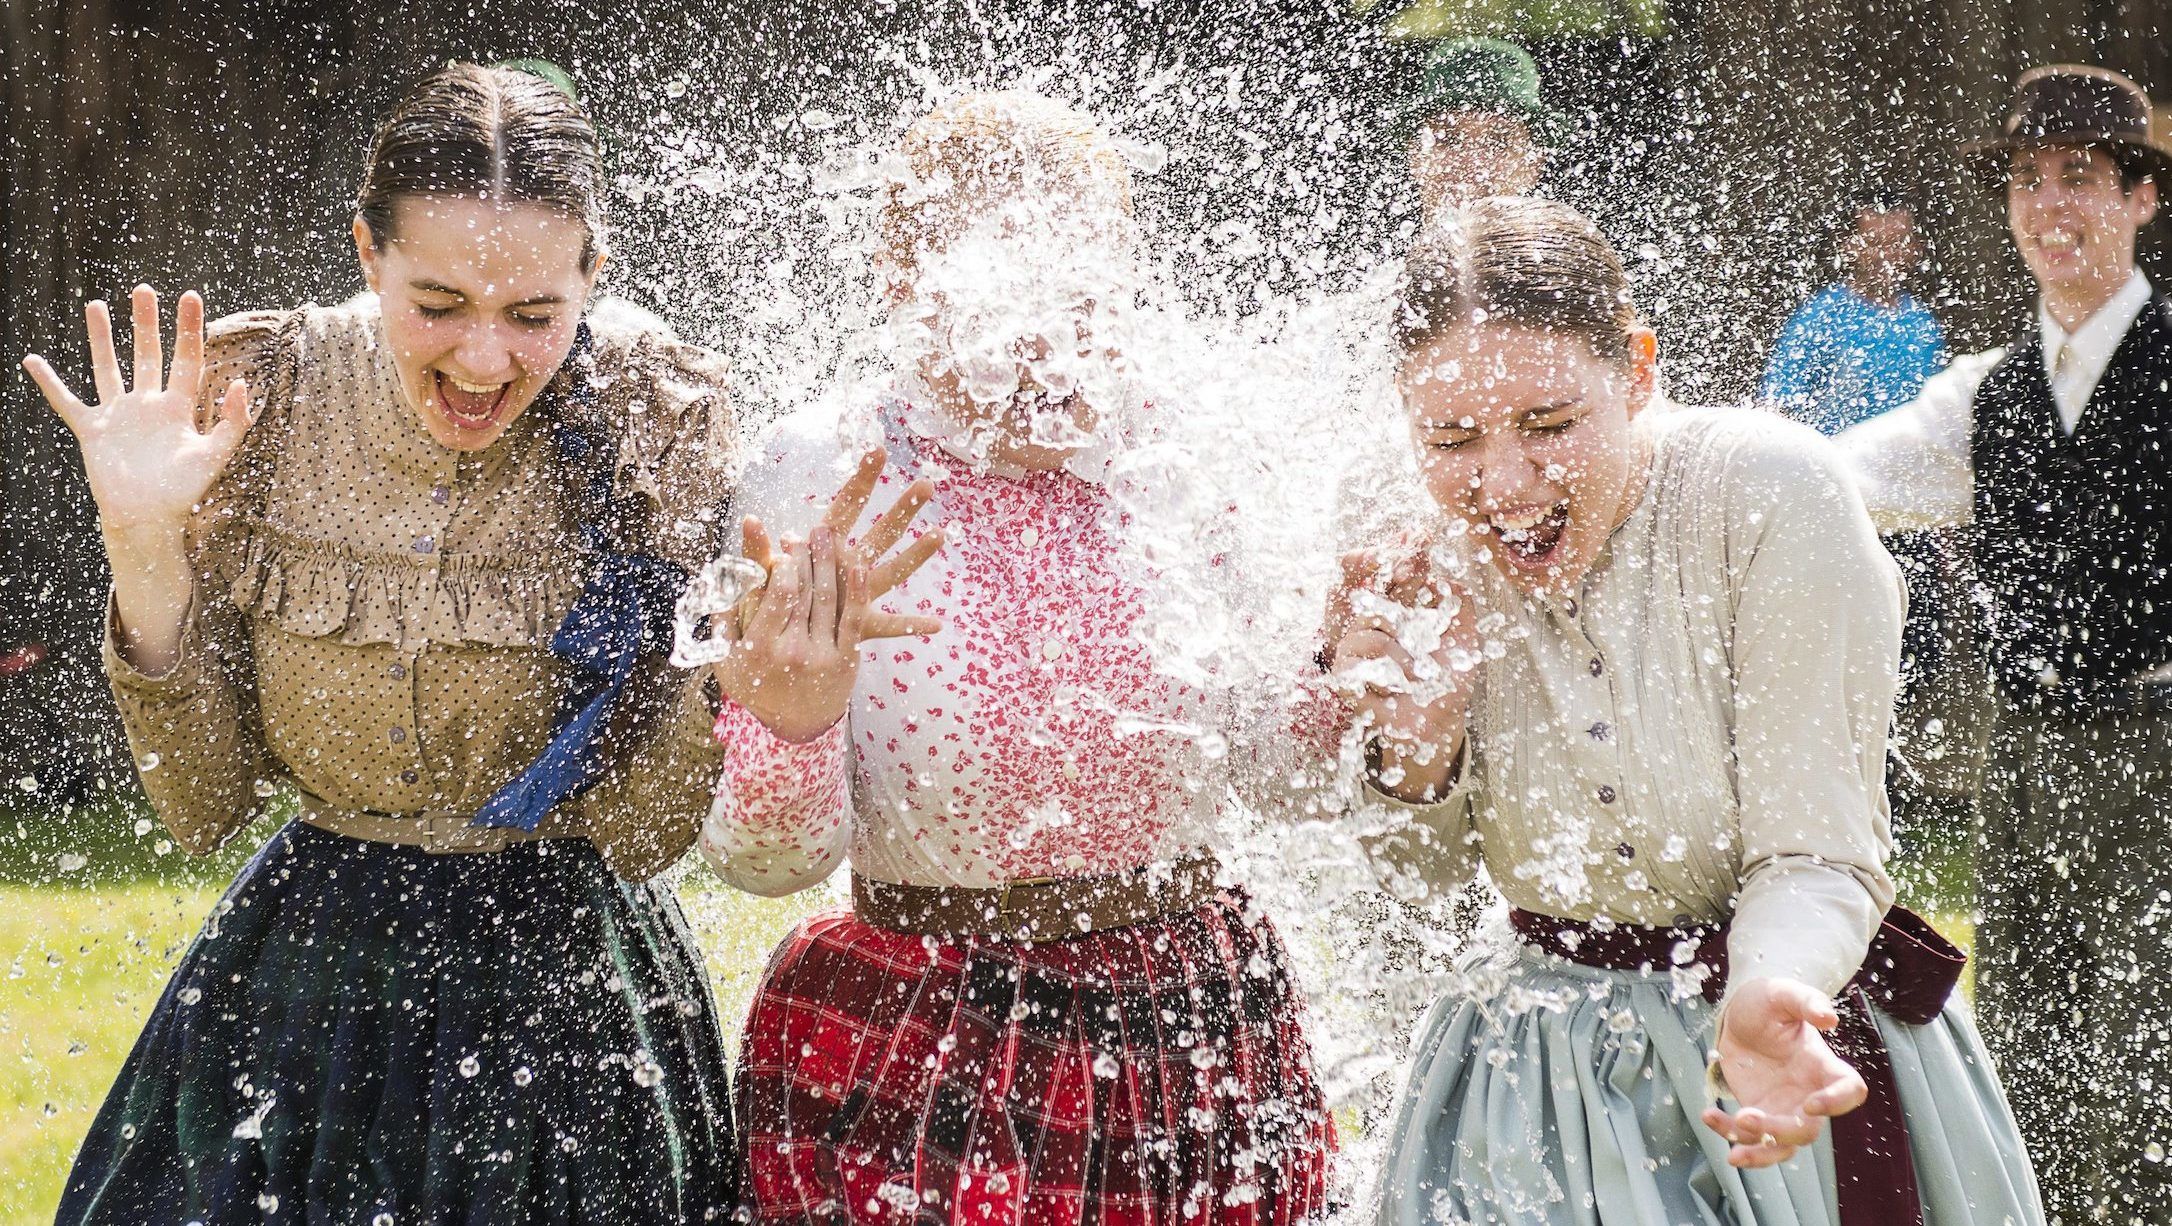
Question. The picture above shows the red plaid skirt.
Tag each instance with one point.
(1152, 1075)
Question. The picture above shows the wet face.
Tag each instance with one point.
(1465, 155)
(1526, 436)
(2072, 220)
(481, 304)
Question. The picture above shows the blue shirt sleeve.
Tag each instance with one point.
(1792, 374)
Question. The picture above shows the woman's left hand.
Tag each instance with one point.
(1780, 1070)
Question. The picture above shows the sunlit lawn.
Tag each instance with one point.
(85, 950)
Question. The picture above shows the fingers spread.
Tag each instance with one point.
(822, 592)
(150, 347)
(780, 608)
(72, 411)
(232, 422)
(889, 527)
(900, 565)
(755, 544)
(105, 364)
(881, 625)
(853, 495)
(188, 346)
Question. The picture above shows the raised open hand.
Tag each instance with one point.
(798, 649)
(148, 456)
(1780, 1070)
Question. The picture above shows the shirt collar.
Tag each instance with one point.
(2099, 335)
(1089, 464)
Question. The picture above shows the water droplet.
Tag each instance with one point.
(28, 783)
(143, 826)
(523, 1075)
(148, 762)
(73, 861)
(190, 996)
(646, 1072)
(817, 120)
(251, 1128)
(675, 87)
(1203, 1057)
(382, 1219)
(265, 787)
(1105, 1066)
(2153, 1151)
(469, 1065)
(267, 1202)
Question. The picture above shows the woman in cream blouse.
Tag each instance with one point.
(408, 556)
(1653, 703)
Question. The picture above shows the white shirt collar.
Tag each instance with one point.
(1089, 463)
(2089, 347)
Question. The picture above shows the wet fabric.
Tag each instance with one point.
(1843, 359)
(2074, 953)
(1557, 1094)
(373, 611)
(1154, 1074)
(365, 1033)
(1697, 734)
(1909, 974)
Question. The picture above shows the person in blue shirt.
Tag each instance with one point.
(1863, 345)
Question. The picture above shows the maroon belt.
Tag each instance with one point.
(1908, 974)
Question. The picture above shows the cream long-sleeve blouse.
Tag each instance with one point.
(373, 611)
(1698, 735)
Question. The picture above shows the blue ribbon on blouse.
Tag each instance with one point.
(625, 611)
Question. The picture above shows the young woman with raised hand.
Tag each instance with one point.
(415, 557)
(1041, 1005)
(1667, 747)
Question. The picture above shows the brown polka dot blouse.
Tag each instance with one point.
(373, 611)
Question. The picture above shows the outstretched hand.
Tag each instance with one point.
(798, 650)
(148, 457)
(1785, 1077)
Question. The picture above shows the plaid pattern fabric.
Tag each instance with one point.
(1151, 1074)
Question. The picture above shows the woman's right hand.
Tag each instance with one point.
(797, 657)
(1400, 672)
(148, 458)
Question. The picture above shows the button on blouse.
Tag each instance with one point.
(1750, 621)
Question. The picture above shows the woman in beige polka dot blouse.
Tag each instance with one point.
(415, 557)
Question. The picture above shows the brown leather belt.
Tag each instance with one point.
(1038, 909)
(436, 833)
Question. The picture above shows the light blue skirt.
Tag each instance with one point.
(1551, 1092)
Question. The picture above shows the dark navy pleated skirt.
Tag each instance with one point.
(371, 1034)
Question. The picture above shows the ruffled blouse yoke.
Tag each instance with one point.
(1699, 735)
(373, 611)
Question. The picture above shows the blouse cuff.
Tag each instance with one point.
(178, 684)
(753, 750)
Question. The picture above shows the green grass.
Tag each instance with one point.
(85, 948)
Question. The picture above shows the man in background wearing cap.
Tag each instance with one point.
(2054, 448)
(1476, 126)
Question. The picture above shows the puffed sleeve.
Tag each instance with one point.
(194, 729)
(1817, 607)
(781, 817)
(669, 403)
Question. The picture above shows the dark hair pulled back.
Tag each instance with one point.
(1517, 260)
(498, 134)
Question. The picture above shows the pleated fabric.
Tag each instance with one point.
(364, 1033)
(1152, 1075)
(1556, 1094)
